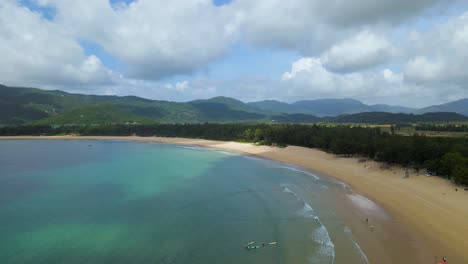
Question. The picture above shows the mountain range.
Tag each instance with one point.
(327, 107)
(32, 105)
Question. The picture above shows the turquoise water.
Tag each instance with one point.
(79, 201)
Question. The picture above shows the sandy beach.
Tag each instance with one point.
(426, 216)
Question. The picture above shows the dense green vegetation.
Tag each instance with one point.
(102, 114)
(327, 107)
(29, 105)
(295, 118)
(447, 157)
(389, 118)
(443, 127)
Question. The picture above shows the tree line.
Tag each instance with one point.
(446, 157)
(443, 128)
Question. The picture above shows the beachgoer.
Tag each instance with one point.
(372, 228)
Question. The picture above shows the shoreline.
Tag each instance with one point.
(427, 217)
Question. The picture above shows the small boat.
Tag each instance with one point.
(250, 247)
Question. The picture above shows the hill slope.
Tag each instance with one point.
(99, 114)
(277, 107)
(31, 105)
(332, 107)
(391, 118)
(460, 106)
(26, 105)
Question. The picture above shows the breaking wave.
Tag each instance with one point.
(287, 190)
(302, 171)
(307, 210)
(356, 245)
(326, 248)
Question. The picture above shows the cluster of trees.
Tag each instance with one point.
(447, 157)
(445, 127)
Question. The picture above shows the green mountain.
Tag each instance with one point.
(327, 107)
(295, 118)
(31, 105)
(277, 107)
(231, 103)
(104, 113)
(460, 106)
(391, 118)
(226, 109)
(26, 105)
(391, 108)
(332, 107)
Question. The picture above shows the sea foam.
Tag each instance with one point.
(301, 171)
(287, 190)
(193, 147)
(307, 210)
(326, 247)
(227, 153)
(356, 245)
(362, 202)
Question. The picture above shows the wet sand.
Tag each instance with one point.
(422, 217)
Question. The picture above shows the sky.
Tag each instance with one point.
(399, 52)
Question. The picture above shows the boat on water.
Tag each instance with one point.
(251, 245)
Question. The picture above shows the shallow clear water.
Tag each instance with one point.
(79, 201)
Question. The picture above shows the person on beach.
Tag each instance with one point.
(444, 261)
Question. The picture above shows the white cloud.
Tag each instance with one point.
(359, 52)
(347, 13)
(358, 48)
(420, 69)
(440, 55)
(155, 39)
(35, 51)
(301, 65)
(392, 77)
(309, 78)
(311, 26)
(181, 85)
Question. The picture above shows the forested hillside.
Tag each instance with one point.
(27, 105)
(34, 106)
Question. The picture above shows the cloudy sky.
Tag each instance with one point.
(412, 53)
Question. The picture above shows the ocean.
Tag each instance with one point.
(91, 201)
